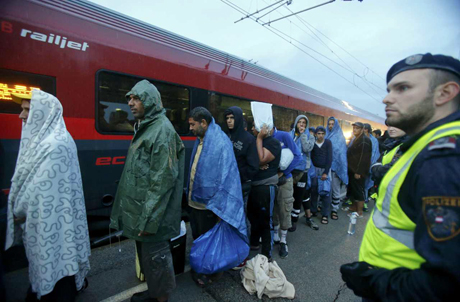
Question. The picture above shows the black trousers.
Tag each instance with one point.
(300, 192)
(260, 213)
(65, 290)
(201, 221)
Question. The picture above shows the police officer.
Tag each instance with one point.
(411, 245)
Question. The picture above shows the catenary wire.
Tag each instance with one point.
(242, 11)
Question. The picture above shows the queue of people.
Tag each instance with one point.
(410, 246)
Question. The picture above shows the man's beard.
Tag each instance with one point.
(416, 115)
(200, 132)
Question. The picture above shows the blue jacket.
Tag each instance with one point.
(287, 142)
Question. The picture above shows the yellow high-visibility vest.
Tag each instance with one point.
(388, 240)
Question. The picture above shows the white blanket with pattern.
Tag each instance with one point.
(46, 190)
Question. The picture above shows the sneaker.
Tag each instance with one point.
(254, 247)
(359, 216)
(346, 209)
(283, 250)
(347, 203)
(242, 264)
(365, 209)
(293, 227)
(276, 238)
(142, 297)
(312, 224)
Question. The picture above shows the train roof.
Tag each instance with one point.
(107, 17)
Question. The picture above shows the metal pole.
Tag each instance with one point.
(247, 16)
(299, 12)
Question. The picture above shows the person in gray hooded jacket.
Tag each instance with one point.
(305, 142)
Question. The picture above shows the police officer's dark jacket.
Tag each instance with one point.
(244, 146)
(430, 197)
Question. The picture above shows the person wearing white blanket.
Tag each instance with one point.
(46, 205)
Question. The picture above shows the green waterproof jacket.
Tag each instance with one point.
(150, 189)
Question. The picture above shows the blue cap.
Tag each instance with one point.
(427, 60)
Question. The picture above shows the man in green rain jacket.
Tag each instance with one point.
(147, 206)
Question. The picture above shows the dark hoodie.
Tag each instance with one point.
(244, 146)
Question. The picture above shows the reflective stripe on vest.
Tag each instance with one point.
(389, 236)
(388, 157)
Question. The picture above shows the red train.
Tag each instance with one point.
(89, 57)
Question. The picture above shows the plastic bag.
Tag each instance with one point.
(263, 115)
(286, 158)
(324, 186)
(218, 250)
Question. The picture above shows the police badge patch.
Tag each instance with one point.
(442, 216)
(412, 60)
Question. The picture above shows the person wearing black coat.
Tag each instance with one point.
(244, 146)
(359, 161)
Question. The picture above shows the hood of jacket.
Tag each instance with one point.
(150, 98)
(238, 127)
(297, 120)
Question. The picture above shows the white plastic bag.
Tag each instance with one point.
(286, 158)
(263, 115)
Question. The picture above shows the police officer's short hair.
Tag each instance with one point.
(201, 113)
(439, 77)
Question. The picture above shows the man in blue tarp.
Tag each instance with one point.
(339, 162)
(214, 187)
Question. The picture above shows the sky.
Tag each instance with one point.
(343, 48)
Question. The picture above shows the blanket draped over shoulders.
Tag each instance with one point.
(339, 150)
(46, 191)
(217, 182)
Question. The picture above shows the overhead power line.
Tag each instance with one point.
(258, 11)
(305, 23)
(242, 11)
(310, 8)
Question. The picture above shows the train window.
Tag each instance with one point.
(114, 114)
(314, 119)
(284, 117)
(22, 83)
(347, 129)
(219, 103)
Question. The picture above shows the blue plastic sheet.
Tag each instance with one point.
(375, 156)
(218, 250)
(217, 180)
(324, 186)
(339, 147)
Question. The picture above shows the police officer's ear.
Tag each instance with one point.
(447, 92)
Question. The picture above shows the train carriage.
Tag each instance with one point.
(89, 57)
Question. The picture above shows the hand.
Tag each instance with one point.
(263, 132)
(143, 233)
(357, 276)
(324, 177)
(19, 220)
(280, 174)
(357, 176)
(264, 167)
